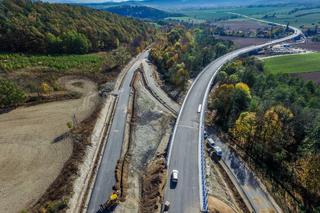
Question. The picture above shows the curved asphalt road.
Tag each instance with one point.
(105, 178)
(184, 151)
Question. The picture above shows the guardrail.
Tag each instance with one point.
(201, 156)
(201, 153)
(202, 163)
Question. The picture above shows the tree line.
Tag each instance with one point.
(181, 53)
(276, 120)
(37, 27)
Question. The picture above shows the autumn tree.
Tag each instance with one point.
(245, 128)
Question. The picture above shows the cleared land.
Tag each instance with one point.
(31, 156)
(293, 63)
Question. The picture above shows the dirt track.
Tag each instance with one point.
(31, 155)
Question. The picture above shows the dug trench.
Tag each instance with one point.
(141, 170)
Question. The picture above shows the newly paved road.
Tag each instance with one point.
(105, 178)
(184, 152)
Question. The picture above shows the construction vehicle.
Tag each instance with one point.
(111, 203)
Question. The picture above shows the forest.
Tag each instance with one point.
(181, 53)
(275, 119)
(141, 12)
(36, 27)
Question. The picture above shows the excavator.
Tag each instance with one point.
(111, 203)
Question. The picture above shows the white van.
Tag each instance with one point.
(199, 108)
(211, 142)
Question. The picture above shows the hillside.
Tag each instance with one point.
(141, 12)
(55, 28)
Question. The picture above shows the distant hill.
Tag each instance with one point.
(174, 4)
(141, 12)
(36, 27)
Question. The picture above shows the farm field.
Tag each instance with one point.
(240, 42)
(31, 156)
(187, 19)
(293, 63)
(307, 17)
(310, 45)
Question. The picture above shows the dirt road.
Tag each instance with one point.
(31, 153)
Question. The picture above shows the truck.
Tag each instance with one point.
(111, 203)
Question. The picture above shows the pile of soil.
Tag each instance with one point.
(153, 185)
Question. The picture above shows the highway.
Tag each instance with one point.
(185, 145)
(105, 178)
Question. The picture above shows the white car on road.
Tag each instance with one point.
(174, 176)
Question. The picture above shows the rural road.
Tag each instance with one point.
(105, 178)
(156, 89)
(188, 196)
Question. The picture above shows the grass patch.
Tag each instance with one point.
(293, 63)
(59, 63)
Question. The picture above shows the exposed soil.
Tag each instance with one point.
(218, 206)
(309, 76)
(34, 145)
(310, 45)
(60, 190)
(244, 42)
(151, 126)
(243, 25)
(153, 185)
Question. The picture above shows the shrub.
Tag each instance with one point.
(10, 94)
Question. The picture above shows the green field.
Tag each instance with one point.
(293, 63)
(61, 63)
(307, 17)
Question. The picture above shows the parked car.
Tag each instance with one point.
(205, 134)
(174, 176)
(211, 142)
(217, 151)
(166, 206)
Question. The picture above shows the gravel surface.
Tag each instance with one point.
(149, 135)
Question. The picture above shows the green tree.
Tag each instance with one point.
(73, 42)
